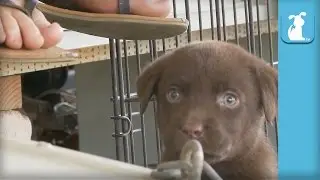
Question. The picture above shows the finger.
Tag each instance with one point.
(2, 33)
(12, 31)
(31, 36)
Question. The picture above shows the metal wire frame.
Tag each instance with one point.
(122, 98)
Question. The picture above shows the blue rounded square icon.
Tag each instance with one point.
(298, 28)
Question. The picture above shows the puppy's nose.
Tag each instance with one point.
(193, 130)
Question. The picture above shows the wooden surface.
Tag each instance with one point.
(10, 93)
(51, 55)
(102, 52)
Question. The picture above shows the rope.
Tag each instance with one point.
(189, 167)
(210, 172)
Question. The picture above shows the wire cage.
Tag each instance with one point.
(248, 23)
(120, 131)
(251, 24)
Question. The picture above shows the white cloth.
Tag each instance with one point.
(15, 125)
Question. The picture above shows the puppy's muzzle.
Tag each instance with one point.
(192, 131)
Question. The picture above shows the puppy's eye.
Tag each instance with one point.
(173, 95)
(229, 99)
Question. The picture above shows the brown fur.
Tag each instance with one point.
(231, 131)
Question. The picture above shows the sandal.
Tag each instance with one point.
(115, 26)
(53, 54)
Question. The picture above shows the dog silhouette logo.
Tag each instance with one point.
(297, 28)
(295, 31)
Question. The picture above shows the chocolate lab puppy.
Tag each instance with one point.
(221, 95)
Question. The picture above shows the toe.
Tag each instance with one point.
(31, 36)
(12, 31)
(51, 33)
(2, 33)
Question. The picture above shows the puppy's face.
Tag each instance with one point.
(212, 91)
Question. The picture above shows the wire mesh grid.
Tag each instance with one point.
(211, 18)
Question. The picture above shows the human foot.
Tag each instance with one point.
(113, 24)
(155, 8)
(17, 30)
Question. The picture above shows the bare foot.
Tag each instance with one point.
(155, 8)
(17, 30)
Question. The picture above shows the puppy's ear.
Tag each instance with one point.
(147, 82)
(267, 78)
